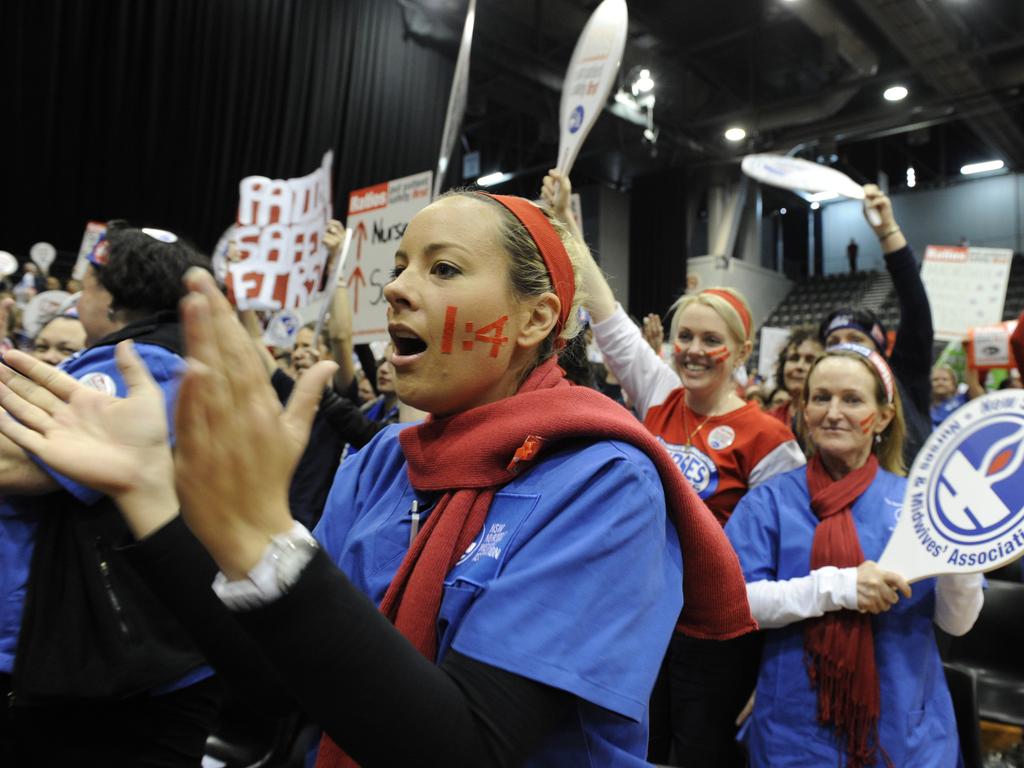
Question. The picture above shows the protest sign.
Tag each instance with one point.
(966, 287)
(281, 259)
(377, 218)
(41, 309)
(989, 346)
(8, 264)
(964, 506)
(589, 79)
(42, 255)
(456, 99)
(93, 231)
(773, 341)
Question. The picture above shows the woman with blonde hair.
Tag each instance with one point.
(850, 672)
(723, 446)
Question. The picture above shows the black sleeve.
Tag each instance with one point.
(347, 420)
(912, 353)
(380, 699)
(180, 572)
(283, 385)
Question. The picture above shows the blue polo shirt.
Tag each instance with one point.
(574, 580)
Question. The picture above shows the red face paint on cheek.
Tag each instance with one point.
(719, 354)
(677, 347)
(487, 334)
(449, 330)
(867, 423)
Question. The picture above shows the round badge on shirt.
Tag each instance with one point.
(100, 382)
(721, 437)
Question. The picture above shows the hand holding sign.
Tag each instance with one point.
(800, 175)
(964, 508)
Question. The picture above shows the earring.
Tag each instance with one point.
(878, 438)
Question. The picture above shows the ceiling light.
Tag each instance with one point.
(815, 205)
(643, 82)
(895, 93)
(782, 211)
(988, 165)
(820, 197)
(911, 177)
(493, 178)
(735, 134)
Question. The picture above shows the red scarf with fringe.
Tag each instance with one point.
(840, 645)
(471, 455)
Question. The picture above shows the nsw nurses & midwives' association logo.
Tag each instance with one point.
(970, 478)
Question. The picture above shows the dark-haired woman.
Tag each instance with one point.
(102, 674)
(851, 674)
(522, 546)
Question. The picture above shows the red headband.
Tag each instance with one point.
(551, 248)
(735, 303)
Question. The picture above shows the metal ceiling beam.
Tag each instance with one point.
(921, 31)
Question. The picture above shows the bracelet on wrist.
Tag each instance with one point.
(888, 234)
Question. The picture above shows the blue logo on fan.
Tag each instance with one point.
(975, 493)
(576, 119)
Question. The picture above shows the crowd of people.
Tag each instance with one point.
(468, 555)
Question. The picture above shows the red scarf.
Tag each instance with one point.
(468, 457)
(841, 644)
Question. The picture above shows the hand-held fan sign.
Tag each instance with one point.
(590, 77)
(281, 259)
(43, 255)
(456, 100)
(964, 508)
(799, 175)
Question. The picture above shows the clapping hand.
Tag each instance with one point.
(236, 447)
(116, 445)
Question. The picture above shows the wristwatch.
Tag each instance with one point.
(276, 572)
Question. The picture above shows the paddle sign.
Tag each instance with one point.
(589, 79)
(43, 255)
(456, 100)
(8, 264)
(964, 507)
(800, 175)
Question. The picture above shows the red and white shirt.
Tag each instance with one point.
(726, 456)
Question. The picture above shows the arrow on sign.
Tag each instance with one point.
(360, 235)
(356, 277)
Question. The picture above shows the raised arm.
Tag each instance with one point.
(641, 372)
(339, 319)
(911, 357)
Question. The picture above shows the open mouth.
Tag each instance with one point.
(406, 342)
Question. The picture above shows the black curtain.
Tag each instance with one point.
(154, 110)
(657, 242)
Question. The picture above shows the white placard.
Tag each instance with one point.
(589, 79)
(964, 506)
(990, 346)
(773, 341)
(281, 256)
(800, 175)
(43, 254)
(378, 216)
(966, 287)
(456, 99)
(8, 264)
(41, 309)
(91, 236)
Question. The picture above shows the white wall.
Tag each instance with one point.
(987, 211)
(762, 288)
